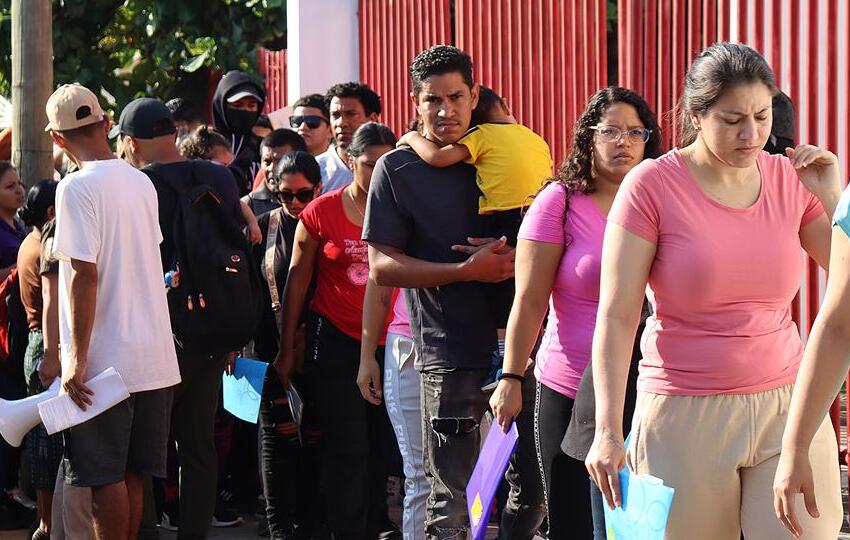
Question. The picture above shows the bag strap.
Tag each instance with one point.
(271, 251)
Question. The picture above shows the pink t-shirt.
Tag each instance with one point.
(565, 350)
(401, 322)
(722, 281)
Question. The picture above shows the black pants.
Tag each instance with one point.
(525, 507)
(290, 465)
(192, 418)
(566, 479)
(359, 449)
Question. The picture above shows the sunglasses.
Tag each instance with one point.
(312, 121)
(304, 196)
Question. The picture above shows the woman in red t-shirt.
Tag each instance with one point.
(356, 434)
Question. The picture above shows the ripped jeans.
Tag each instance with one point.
(452, 407)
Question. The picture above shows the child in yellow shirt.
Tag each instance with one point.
(512, 162)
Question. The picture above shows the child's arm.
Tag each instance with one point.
(432, 154)
(255, 236)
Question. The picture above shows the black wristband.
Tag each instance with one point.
(513, 376)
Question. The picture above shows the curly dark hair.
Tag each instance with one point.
(366, 96)
(576, 173)
(439, 60)
(316, 101)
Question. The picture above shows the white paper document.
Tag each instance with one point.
(60, 413)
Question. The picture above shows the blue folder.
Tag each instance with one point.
(488, 473)
(243, 390)
(644, 511)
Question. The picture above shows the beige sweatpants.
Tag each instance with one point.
(720, 454)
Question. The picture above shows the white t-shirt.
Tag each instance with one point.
(335, 174)
(107, 214)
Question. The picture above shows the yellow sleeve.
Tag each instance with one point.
(474, 141)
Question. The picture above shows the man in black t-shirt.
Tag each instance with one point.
(148, 135)
(415, 214)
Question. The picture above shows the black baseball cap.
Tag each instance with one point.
(144, 118)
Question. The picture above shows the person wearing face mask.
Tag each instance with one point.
(715, 228)
(310, 118)
(350, 105)
(237, 104)
(292, 505)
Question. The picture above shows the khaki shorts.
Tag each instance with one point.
(720, 454)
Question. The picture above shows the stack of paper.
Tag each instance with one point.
(60, 413)
(643, 514)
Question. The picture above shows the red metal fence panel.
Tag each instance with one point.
(392, 33)
(272, 65)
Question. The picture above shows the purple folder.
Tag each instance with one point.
(487, 475)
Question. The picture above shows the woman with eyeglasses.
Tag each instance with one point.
(716, 229)
(358, 445)
(557, 268)
(310, 119)
(291, 503)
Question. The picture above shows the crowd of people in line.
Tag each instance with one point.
(408, 287)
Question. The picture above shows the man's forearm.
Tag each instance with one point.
(400, 270)
(83, 300)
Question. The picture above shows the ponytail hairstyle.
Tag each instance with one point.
(40, 198)
(715, 70)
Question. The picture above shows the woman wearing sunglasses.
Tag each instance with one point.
(557, 264)
(358, 444)
(295, 181)
(310, 119)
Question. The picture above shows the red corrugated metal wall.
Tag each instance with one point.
(544, 57)
(538, 54)
(392, 33)
(272, 65)
(806, 43)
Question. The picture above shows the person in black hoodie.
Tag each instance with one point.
(237, 104)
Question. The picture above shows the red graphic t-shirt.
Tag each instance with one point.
(342, 264)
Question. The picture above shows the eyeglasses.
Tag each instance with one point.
(304, 196)
(313, 121)
(609, 134)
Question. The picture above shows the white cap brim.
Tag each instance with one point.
(243, 94)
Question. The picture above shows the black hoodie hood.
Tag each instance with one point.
(244, 145)
(232, 82)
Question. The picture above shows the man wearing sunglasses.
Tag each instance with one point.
(310, 119)
(351, 105)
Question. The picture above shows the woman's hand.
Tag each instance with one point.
(818, 170)
(606, 457)
(283, 365)
(793, 476)
(369, 380)
(506, 402)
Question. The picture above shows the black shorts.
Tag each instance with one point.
(130, 437)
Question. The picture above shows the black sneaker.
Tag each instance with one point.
(225, 516)
(13, 515)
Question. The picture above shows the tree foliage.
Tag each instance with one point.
(124, 49)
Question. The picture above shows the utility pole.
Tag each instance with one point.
(32, 84)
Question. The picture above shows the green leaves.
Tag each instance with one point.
(129, 48)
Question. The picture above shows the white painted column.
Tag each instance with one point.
(323, 45)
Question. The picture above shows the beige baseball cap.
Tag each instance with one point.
(72, 106)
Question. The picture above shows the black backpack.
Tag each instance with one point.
(216, 304)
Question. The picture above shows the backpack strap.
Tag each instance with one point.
(271, 251)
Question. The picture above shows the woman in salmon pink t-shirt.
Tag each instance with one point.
(356, 435)
(716, 229)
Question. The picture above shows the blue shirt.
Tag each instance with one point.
(841, 218)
